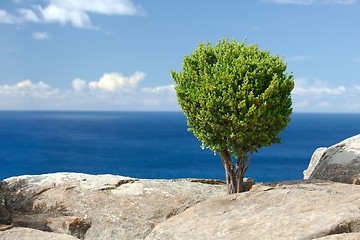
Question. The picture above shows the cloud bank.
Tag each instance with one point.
(166, 88)
(319, 97)
(74, 12)
(21, 16)
(112, 91)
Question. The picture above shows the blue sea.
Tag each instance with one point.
(151, 145)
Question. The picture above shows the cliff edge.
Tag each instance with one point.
(64, 206)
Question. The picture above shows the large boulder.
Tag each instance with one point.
(100, 206)
(339, 163)
(314, 161)
(300, 210)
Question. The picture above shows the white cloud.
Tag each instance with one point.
(24, 15)
(29, 85)
(27, 15)
(319, 97)
(112, 82)
(29, 95)
(40, 35)
(29, 89)
(53, 13)
(166, 88)
(79, 85)
(312, 2)
(5, 17)
(316, 91)
(120, 92)
(74, 12)
(107, 7)
(317, 88)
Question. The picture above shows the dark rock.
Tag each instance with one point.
(5, 217)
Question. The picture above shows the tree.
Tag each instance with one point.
(236, 99)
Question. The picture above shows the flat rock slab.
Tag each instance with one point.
(100, 206)
(20, 233)
(114, 207)
(284, 211)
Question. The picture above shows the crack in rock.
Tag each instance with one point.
(118, 184)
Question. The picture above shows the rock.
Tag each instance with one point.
(102, 206)
(298, 210)
(81, 206)
(345, 236)
(5, 217)
(5, 227)
(248, 184)
(32, 234)
(339, 163)
(314, 161)
(71, 225)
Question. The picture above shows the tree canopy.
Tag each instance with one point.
(236, 98)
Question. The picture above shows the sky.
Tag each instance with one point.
(116, 55)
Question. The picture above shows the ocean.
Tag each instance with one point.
(151, 145)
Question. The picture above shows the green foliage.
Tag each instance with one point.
(236, 97)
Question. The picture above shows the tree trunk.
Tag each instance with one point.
(235, 177)
(229, 171)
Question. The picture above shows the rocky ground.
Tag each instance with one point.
(98, 207)
(80, 206)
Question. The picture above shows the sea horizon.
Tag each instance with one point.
(151, 144)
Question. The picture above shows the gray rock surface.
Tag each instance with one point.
(314, 161)
(20, 233)
(339, 163)
(5, 217)
(345, 236)
(80, 206)
(102, 206)
(284, 211)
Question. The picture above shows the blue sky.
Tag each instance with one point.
(117, 54)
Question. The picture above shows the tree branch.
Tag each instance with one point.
(248, 162)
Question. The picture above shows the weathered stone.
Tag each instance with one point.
(339, 163)
(345, 236)
(5, 217)
(20, 233)
(5, 227)
(314, 161)
(71, 225)
(278, 211)
(248, 184)
(116, 207)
